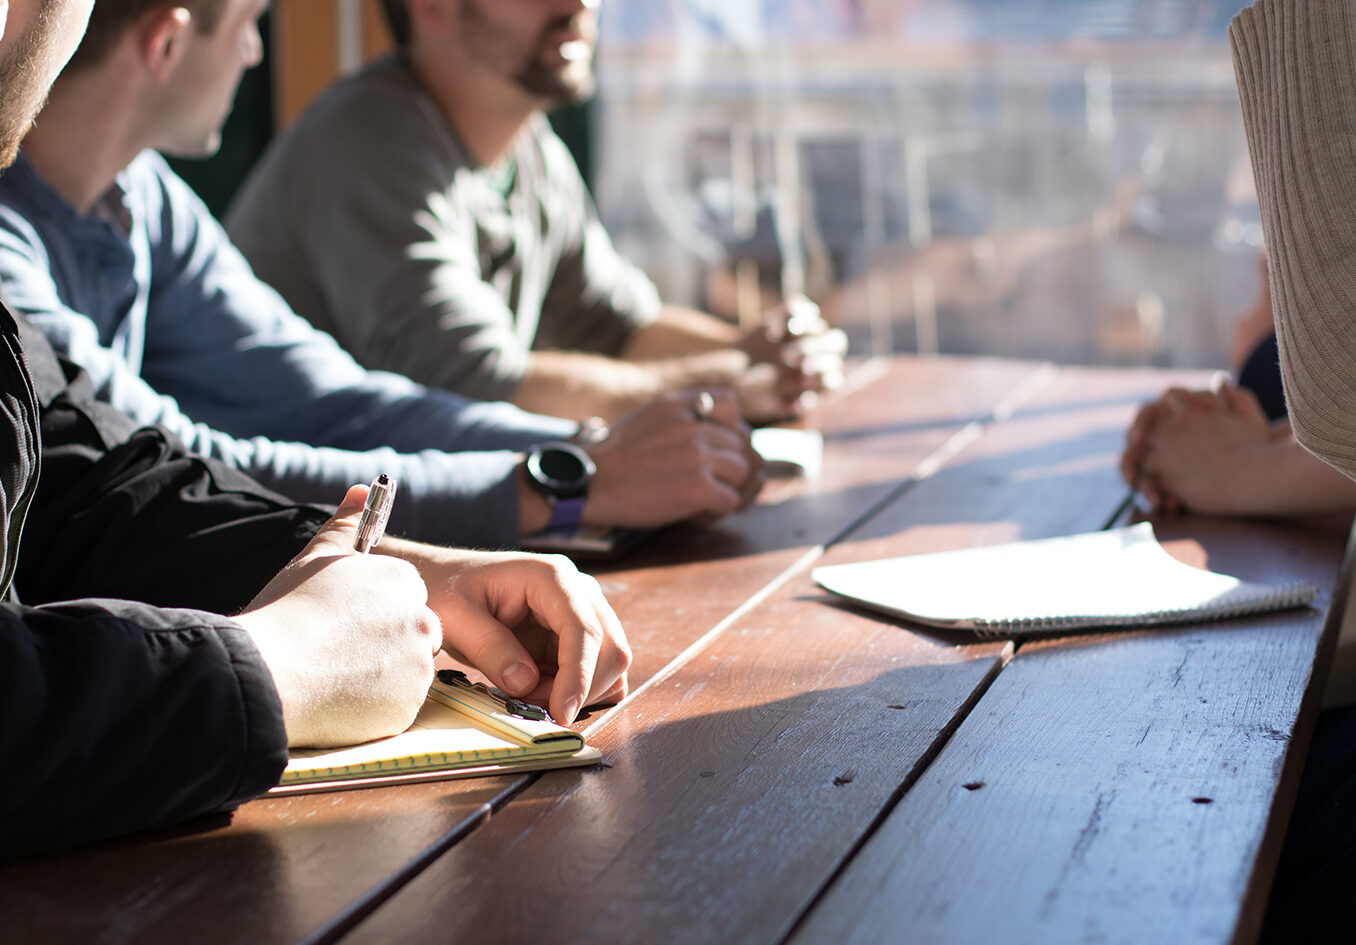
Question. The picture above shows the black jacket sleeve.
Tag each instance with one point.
(119, 717)
(126, 511)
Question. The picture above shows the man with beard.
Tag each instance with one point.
(128, 701)
(424, 214)
(118, 262)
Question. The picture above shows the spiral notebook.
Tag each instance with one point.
(1115, 578)
(464, 730)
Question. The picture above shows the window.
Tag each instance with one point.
(1062, 179)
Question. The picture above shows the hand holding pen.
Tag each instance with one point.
(348, 637)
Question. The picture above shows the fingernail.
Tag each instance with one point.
(518, 678)
(571, 710)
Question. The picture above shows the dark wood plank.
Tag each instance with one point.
(686, 581)
(1048, 469)
(743, 781)
(270, 873)
(283, 868)
(1114, 788)
(736, 788)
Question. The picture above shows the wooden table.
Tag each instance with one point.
(788, 770)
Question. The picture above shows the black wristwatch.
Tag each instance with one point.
(562, 472)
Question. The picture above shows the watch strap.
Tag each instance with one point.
(565, 514)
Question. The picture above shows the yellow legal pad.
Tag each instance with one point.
(463, 730)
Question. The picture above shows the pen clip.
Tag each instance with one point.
(516, 707)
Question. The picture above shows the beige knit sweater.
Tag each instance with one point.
(1296, 66)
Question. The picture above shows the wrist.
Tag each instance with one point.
(534, 512)
(626, 385)
(561, 473)
(267, 631)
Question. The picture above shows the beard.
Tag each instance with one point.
(567, 83)
(30, 64)
(23, 85)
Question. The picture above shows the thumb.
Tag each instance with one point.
(336, 536)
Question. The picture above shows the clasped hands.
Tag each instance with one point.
(794, 356)
(1199, 451)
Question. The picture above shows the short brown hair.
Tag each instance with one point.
(110, 17)
(398, 19)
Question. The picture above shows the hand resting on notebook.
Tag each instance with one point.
(538, 628)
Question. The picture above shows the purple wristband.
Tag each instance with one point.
(565, 515)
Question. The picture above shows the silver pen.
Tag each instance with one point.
(377, 509)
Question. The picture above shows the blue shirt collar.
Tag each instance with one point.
(111, 210)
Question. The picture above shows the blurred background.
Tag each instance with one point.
(1055, 179)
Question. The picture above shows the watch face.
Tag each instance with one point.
(560, 466)
(560, 469)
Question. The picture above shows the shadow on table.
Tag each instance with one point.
(283, 868)
(1072, 475)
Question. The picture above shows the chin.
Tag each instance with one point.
(194, 148)
(569, 84)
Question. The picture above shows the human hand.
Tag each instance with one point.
(348, 637)
(1205, 451)
(666, 463)
(1136, 444)
(794, 355)
(1138, 436)
(537, 627)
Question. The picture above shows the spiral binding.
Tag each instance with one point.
(1282, 597)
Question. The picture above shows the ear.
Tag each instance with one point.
(160, 39)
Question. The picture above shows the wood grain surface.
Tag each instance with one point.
(717, 821)
(311, 865)
(1127, 787)
(790, 769)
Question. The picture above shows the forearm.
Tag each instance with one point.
(578, 386)
(680, 331)
(459, 498)
(127, 512)
(1297, 83)
(467, 497)
(309, 391)
(1292, 481)
(143, 521)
